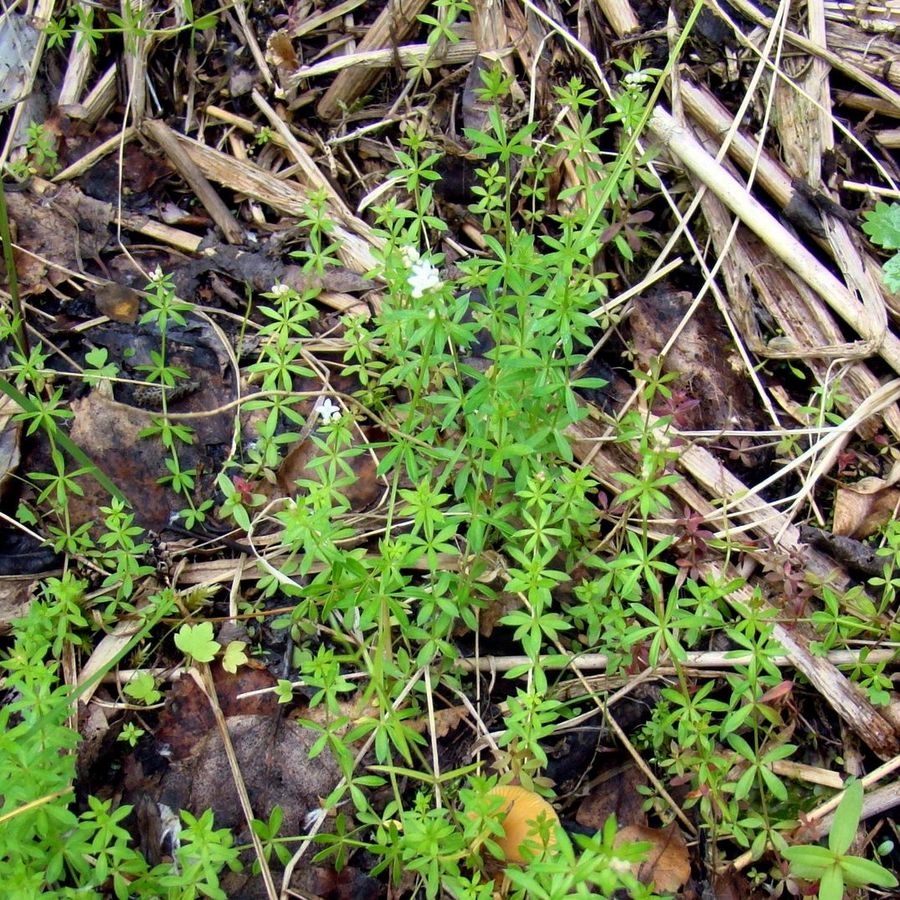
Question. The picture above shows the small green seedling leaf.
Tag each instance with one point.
(143, 689)
(197, 642)
(830, 865)
(234, 656)
(846, 819)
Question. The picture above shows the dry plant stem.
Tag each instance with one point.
(86, 162)
(646, 770)
(809, 774)
(432, 731)
(287, 197)
(392, 27)
(620, 16)
(313, 177)
(250, 36)
(866, 103)
(165, 234)
(245, 125)
(748, 10)
(205, 682)
(99, 100)
(688, 150)
(42, 14)
(816, 824)
(20, 335)
(77, 72)
(314, 23)
(887, 193)
(844, 696)
(409, 55)
(847, 701)
(162, 135)
(137, 51)
(695, 659)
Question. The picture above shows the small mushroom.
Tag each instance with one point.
(521, 811)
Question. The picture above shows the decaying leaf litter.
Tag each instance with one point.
(740, 279)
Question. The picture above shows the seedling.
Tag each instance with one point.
(831, 866)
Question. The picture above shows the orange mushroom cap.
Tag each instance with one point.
(521, 811)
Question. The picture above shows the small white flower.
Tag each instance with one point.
(279, 290)
(410, 256)
(633, 79)
(423, 278)
(157, 275)
(327, 410)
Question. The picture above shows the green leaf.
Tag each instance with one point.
(234, 656)
(808, 861)
(891, 273)
(859, 872)
(846, 819)
(197, 642)
(284, 690)
(882, 225)
(205, 22)
(831, 885)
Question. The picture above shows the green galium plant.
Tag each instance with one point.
(831, 865)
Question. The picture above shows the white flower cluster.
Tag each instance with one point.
(279, 290)
(327, 410)
(423, 277)
(635, 79)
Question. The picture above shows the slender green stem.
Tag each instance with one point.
(19, 333)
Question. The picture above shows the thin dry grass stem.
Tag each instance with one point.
(648, 773)
(285, 196)
(808, 774)
(249, 36)
(204, 680)
(842, 65)
(817, 823)
(695, 660)
(886, 193)
(314, 23)
(779, 240)
(432, 732)
(866, 103)
(408, 56)
(99, 100)
(480, 727)
(137, 51)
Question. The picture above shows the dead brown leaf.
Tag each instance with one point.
(15, 598)
(63, 227)
(668, 863)
(860, 509)
(616, 795)
(188, 716)
(9, 439)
